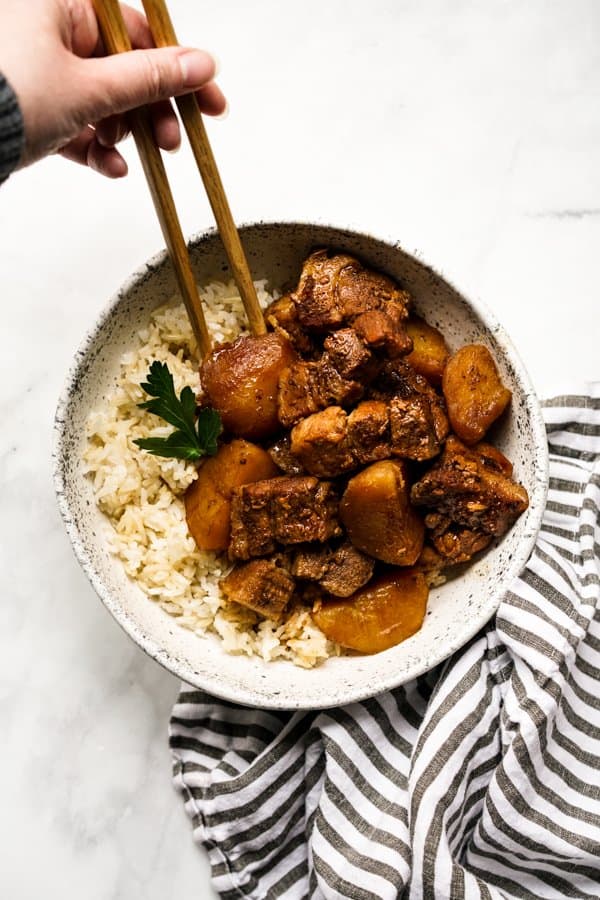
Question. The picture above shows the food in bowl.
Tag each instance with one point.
(337, 491)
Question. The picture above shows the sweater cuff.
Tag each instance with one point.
(12, 131)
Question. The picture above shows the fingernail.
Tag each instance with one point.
(195, 68)
(217, 63)
(225, 113)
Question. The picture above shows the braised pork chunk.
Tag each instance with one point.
(297, 397)
(359, 312)
(283, 510)
(368, 430)
(282, 315)
(412, 428)
(469, 488)
(332, 442)
(349, 354)
(320, 443)
(340, 571)
(261, 585)
(398, 379)
(384, 328)
(458, 545)
(339, 376)
(335, 290)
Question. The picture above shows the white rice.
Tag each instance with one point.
(142, 494)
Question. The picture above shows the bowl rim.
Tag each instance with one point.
(173, 664)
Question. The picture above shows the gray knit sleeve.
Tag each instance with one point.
(12, 132)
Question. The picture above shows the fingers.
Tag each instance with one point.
(148, 76)
(110, 131)
(115, 84)
(87, 151)
(211, 100)
(95, 147)
(166, 126)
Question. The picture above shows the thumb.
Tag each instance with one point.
(116, 84)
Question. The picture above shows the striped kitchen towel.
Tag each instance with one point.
(480, 780)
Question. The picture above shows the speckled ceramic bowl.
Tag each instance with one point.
(455, 611)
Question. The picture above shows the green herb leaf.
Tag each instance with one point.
(188, 441)
(176, 446)
(177, 412)
(209, 429)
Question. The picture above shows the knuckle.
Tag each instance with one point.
(157, 78)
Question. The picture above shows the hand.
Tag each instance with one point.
(73, 97)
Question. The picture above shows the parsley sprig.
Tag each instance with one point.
(190, 440)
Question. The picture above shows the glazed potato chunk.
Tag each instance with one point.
(378, 517)
(430, 351)
(241, 379)
(383, 613)
(208, 499)
(474, 394)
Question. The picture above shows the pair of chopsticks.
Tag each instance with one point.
(116, 39)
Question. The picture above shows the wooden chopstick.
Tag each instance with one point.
(116, 39)
(164, 35)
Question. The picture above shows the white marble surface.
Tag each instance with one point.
(467, 130)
